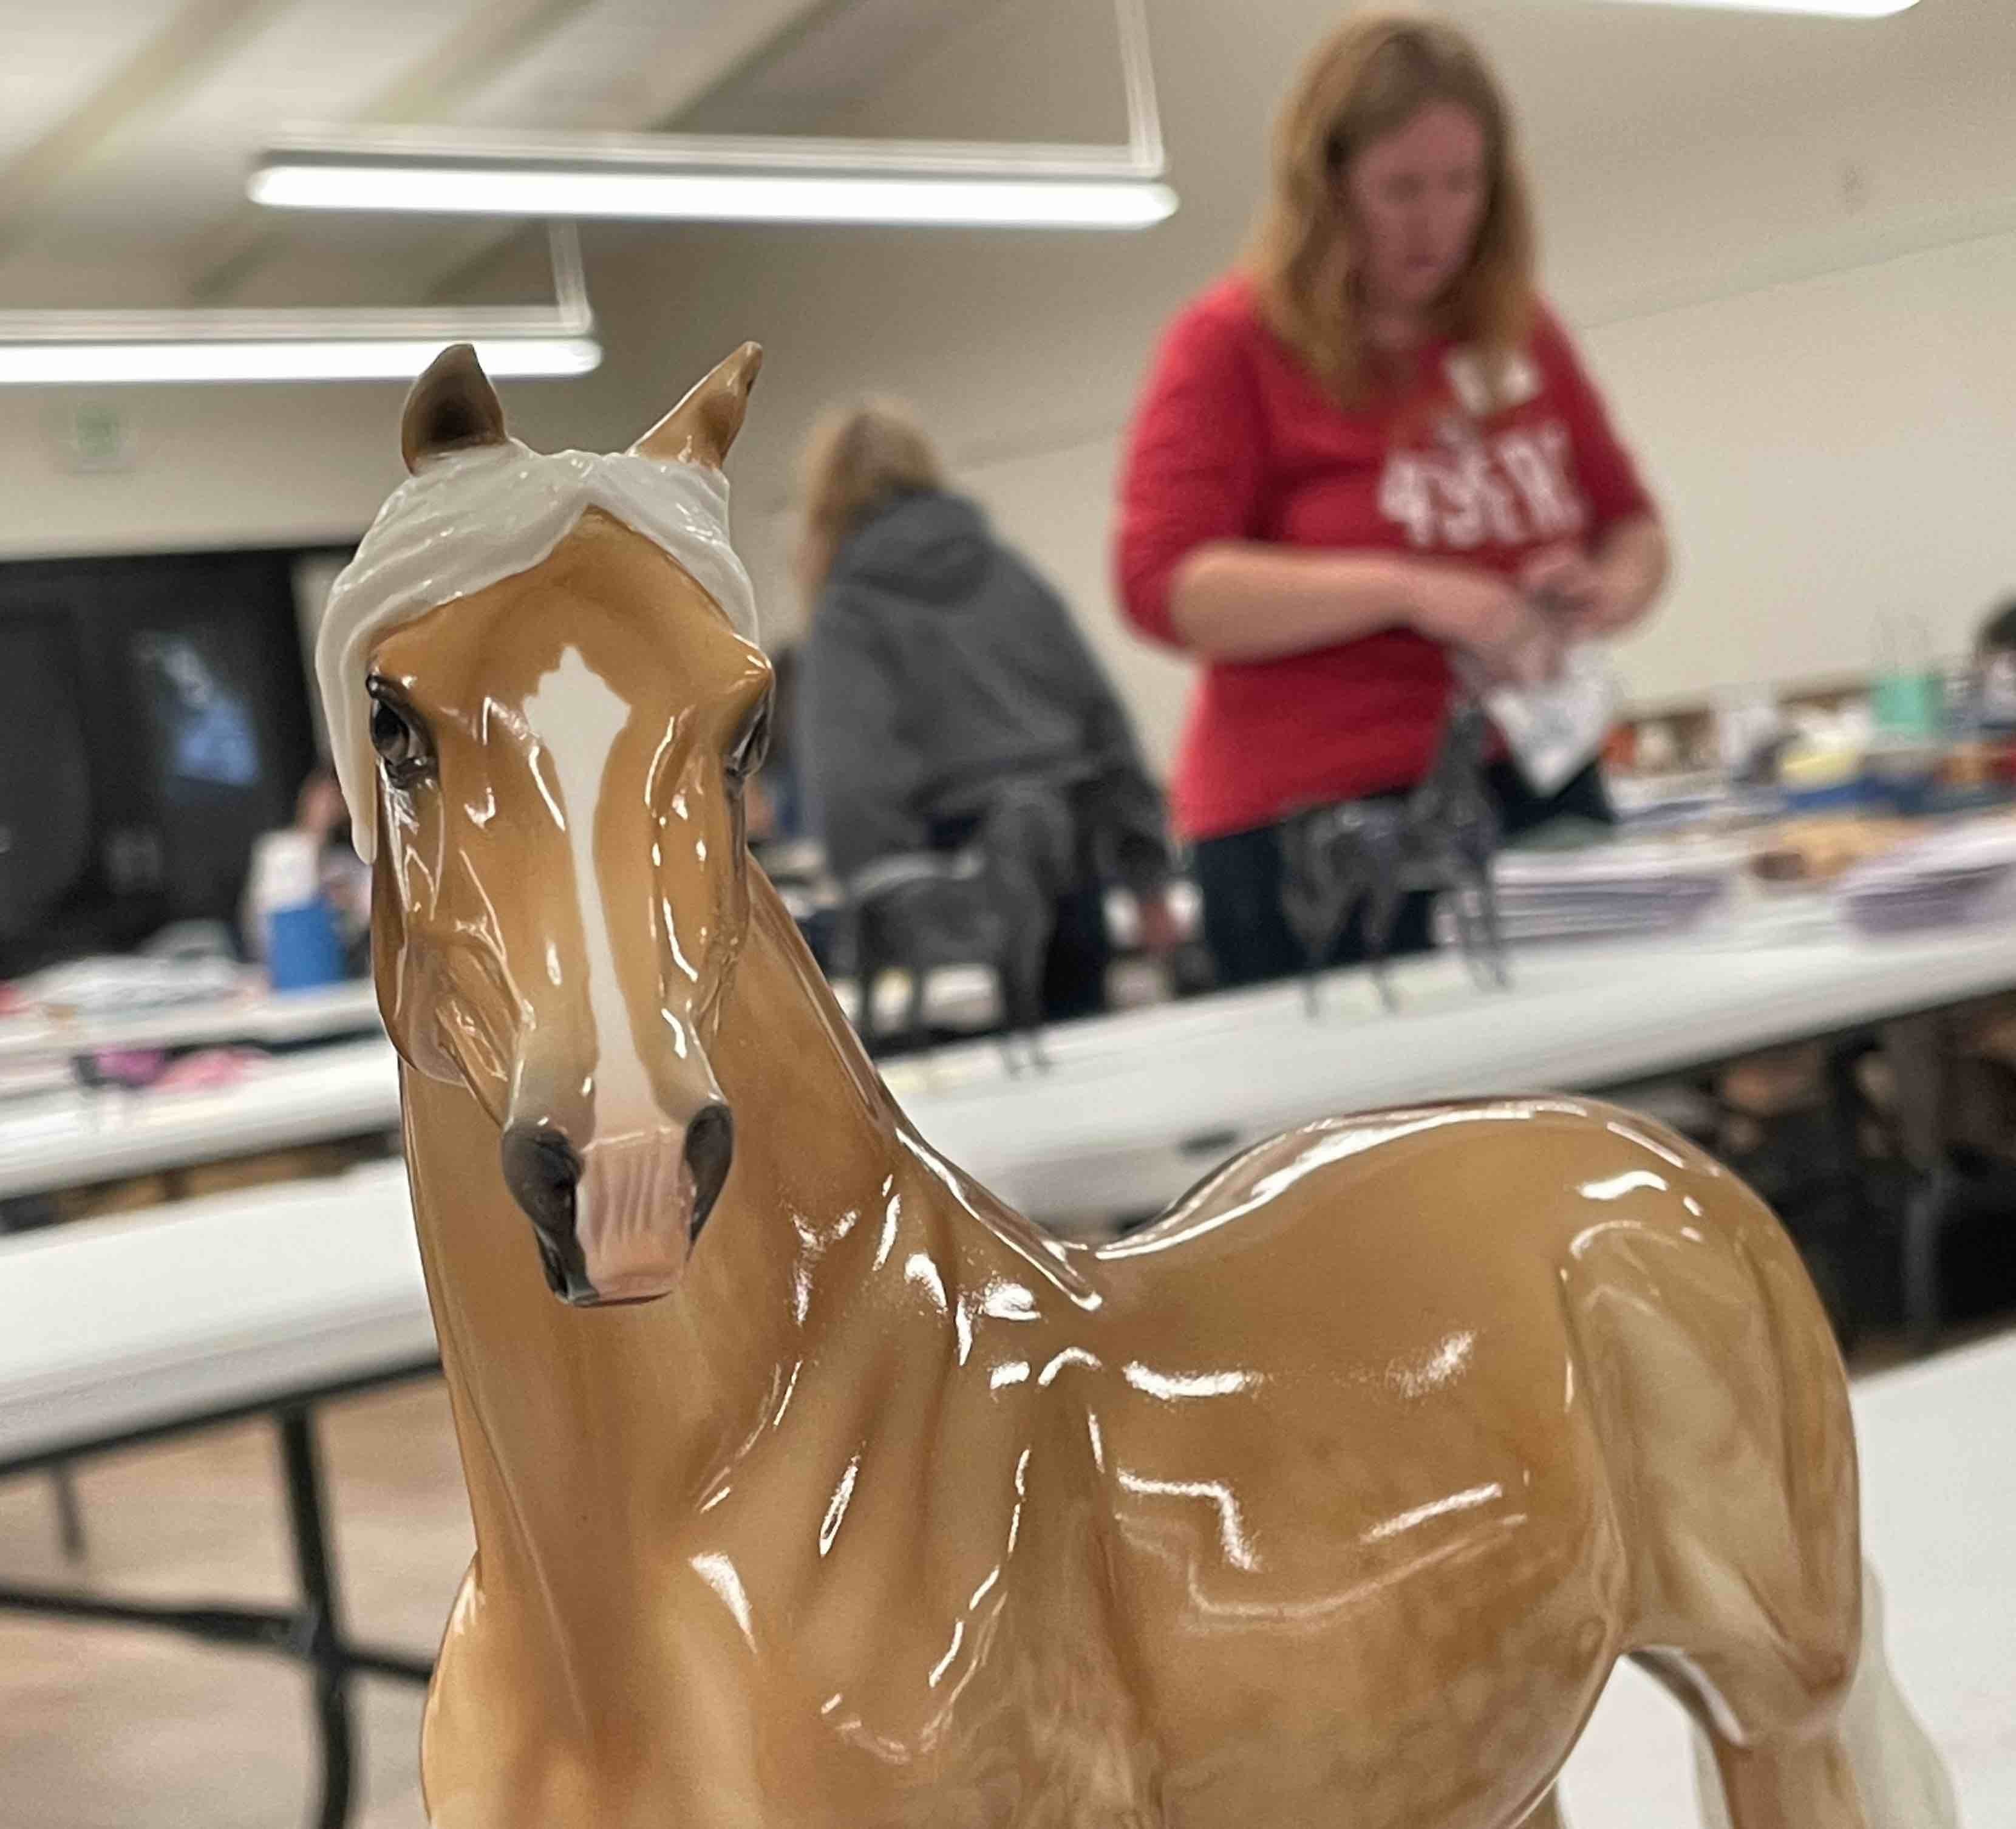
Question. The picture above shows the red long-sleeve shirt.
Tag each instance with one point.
(1234, 439)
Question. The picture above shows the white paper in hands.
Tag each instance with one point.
(1555, 728)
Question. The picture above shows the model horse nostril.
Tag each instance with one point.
(542, 1170)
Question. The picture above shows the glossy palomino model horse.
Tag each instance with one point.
(830, 1492)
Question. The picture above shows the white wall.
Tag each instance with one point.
(1831, 452)
(1818, 364)
(242, 466)
(211, 466)
(1046, 502)
(1790, 246)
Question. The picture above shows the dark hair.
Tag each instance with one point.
(2000, 630)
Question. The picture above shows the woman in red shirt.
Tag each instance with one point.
(1367, 459)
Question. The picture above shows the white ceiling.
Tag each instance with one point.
(126, 126)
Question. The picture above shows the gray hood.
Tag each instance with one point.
(928, 549)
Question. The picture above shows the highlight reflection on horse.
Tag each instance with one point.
(1331, 1497)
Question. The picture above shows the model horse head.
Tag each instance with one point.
(544, 699)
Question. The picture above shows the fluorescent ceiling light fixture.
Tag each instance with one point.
(441, 185)
(739, 177)
(103, 348)
(1818, 9)
(53, 362)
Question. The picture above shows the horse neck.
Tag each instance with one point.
(585, 1433)
(1451, 776)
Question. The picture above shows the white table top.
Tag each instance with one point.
(1138, 1105)
(116, 1325)
(956, 997)
(123, 1324)
(74, 1135)
(63, 1139)
(266, 1017)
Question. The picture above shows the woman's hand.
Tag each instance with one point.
(1605, 594)
(1509, 639)
(1584, 595)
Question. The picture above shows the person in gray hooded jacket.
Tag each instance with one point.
(939, 671)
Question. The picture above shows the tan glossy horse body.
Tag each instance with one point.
(1332, 1498)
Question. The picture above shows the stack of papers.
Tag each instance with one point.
(1952, 876)
(118, 984)
(1611, 892)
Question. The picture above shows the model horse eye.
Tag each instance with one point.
(750, 747)
(401, 741)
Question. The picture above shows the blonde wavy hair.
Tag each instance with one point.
(858, 458)
(1368, 79)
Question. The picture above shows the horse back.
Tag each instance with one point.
(1367, 1315)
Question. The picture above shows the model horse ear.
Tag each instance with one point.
(702, 426)
(452, 407)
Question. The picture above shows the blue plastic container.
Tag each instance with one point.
(303, 948)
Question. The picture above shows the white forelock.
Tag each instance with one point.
(471, 519)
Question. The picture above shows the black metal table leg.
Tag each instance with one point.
(321, 1620)
(1920, 1049)
(70, 1513)
(1925, 1217)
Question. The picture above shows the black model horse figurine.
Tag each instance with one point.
(1368, 854)
(993, 903)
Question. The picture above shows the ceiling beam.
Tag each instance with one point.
(477, 252)
(490, 42)
(182, 54)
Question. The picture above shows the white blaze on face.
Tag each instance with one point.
(630, 1163)
(471, 518)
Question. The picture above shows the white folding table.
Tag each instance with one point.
(271, 1018)
(1135, 1106)
(119, 1330)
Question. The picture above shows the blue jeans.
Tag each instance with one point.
(1240, 877)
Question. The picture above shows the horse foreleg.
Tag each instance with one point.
(1477, 921)
(1022, 992)
(1382, 910)
(1469, 934)
(1494, 933)
(1318, 941)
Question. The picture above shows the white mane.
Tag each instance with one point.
(471, 519)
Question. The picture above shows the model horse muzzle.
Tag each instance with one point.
(614, 1223)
